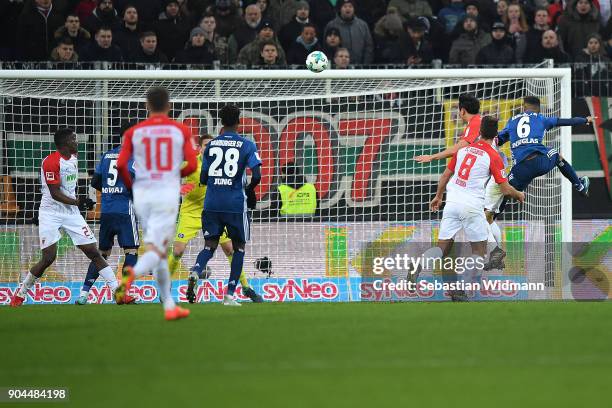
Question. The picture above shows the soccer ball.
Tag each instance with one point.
(317, 61)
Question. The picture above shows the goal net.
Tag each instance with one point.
(350, 134)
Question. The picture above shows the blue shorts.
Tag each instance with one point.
(238, 225)
(122, 226)
(524, 172)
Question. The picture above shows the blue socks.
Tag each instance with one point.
(202, 260)
(568, 171)
(90, 278)
(130, 260)
(237, 263)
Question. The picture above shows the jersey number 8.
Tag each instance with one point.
(230, 168)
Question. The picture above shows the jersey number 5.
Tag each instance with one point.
(112, 173)
(160, 165)
(466, 166)
(230, 168)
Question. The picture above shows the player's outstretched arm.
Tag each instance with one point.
(448, 152)
(124, 159)
(510, 191)
(442, 183)
(190, 157)
(574, 121)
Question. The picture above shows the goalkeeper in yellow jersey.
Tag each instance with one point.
(190, 223)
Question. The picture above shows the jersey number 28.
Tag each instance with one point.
(230, 168)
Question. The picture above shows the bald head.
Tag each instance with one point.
(252, 15)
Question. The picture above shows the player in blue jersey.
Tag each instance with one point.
(224, 164)
(531, 158)
(117, 217)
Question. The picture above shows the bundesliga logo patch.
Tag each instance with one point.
(50, 176)
(181, 235)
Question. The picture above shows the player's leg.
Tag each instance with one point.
(493, 201)
(186, 230)
(238, 229)
(49, 225)
(106, 237)
(581, 184)
(228, 250)
(449, 226)
(212, 228)
(48, 255)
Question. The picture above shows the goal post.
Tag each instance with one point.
(351, 134)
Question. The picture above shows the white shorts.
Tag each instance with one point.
(50, 223)
(472, 220)
(493, 196)
(157, 211)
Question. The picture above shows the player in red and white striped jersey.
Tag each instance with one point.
(464, 181)
(469, 106)
(159, 146)
(59, 209)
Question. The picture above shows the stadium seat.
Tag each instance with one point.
(8, 203)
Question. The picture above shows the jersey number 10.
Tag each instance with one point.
(159, 142)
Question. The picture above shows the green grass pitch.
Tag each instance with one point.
(514, 354)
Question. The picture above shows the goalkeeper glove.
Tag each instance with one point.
(85, 203)
(186, 188)
(251, 198)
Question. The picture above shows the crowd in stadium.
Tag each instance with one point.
(284, 32)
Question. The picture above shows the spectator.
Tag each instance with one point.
(198, 50)
(85, 9)
(268, 56)
(594, 53)
(466, 47)
(64, 52)
(387, 34)
(608, 38)
(35, 30)
(411, 8)
(342, 58)
(213, 40)
(297, 196)
(499, 52)
(516, 24)
(148, 10)
(149, 51)
(415, 48)
(354, 32)
(226, 17)
(281, 11)
(551, 50)
(290, 31)
(533, 38)
(306, 43)
(472, 8)
(103, 15)
(267, 12)
(172, 29)
(9, 19)
(102, 48)
(579, 21)
(332, 42)
(555, 11)
(322, 12)
(127, 34)
(246, 31)
(501, 8)
(251, 53)
(72, 29)
(449, 16)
